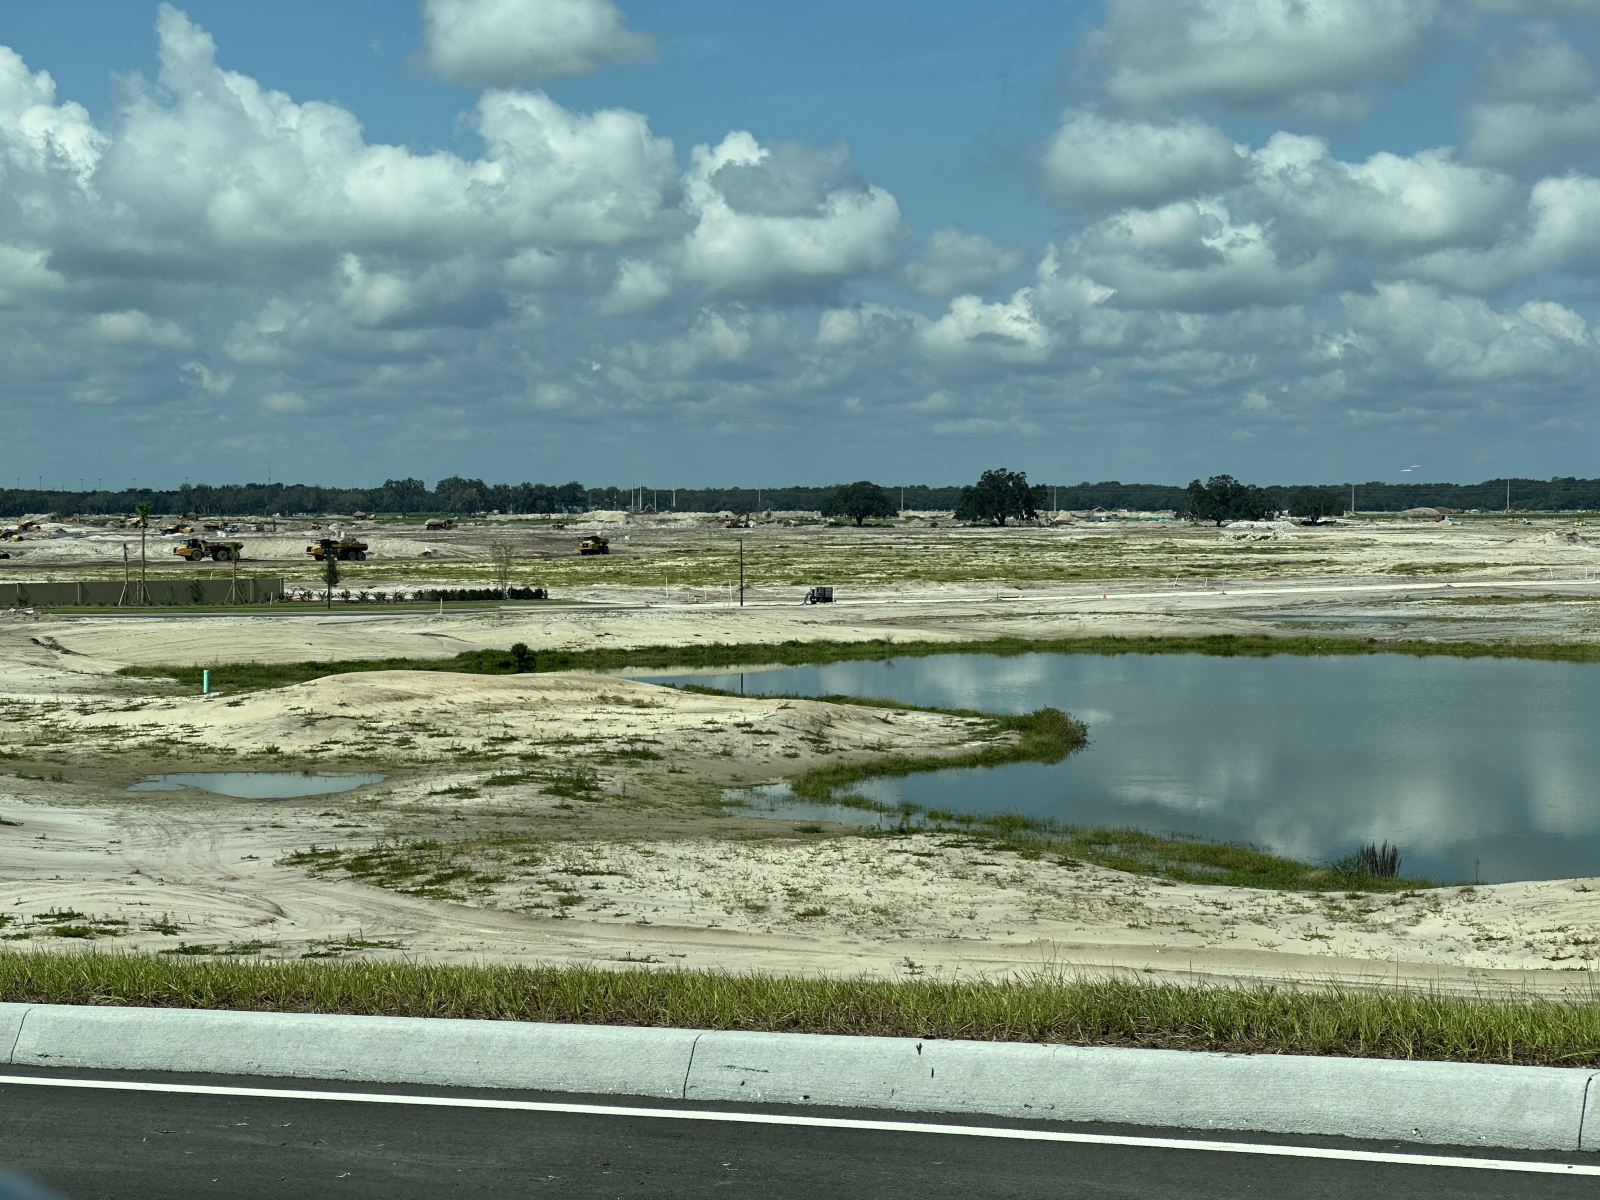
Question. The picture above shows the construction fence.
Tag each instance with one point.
(163, 592)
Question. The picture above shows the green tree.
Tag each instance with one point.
(998, 494)
(503, 554)
(859, 501)
(402, 495)
(1223, 498)
(1315, 503)
(330, 570)
(458, 495)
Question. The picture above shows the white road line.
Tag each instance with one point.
(748, 1118)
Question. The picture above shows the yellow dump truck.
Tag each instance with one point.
(344, 549)
(594, 545)
(198, 549)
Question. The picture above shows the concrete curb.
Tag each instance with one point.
(1528, 1108)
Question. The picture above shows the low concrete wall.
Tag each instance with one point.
(1529, 1108)
(175, 592)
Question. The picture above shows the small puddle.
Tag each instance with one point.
(256, 785)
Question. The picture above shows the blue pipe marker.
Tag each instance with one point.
(205, 683)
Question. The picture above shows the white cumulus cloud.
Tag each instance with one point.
(782, 219)
(1535, 105)
(953, 261)
(132, 327)
(1194, 256)
(495, 43)
(1388, 201)
(1313, 56)
(640, 286)
(1009, 330)
(1095, 160)
(1465, 340)
(218, 383)
(229, 162)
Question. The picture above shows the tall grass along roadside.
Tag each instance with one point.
(1050, 1008)
(248, 676)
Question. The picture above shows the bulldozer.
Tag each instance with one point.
(198, 549)
(595, 545)
(344, 549)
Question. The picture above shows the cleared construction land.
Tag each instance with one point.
(579, 817)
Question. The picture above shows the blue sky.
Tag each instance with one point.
(716, 243)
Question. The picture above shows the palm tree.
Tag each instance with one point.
(142, 511)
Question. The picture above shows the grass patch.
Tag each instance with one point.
(1047, 1008)
(1162, 856)
(1047, 735)
(237, 677)
(429, 868)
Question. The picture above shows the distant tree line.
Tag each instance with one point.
(458, 495)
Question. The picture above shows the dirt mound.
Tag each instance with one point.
(426, 716)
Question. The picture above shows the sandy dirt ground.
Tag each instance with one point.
(575, 818)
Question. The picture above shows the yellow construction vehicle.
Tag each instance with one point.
(198, 549)
(595, 545)
(344, 549)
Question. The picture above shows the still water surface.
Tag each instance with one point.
(256, 785)
(1486, 766)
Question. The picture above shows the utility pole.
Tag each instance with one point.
(1352, 499)
(1508, 493)
(741, 572)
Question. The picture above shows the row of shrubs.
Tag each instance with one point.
(345, 596)
(516, 593)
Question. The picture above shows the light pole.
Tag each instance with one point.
(741, 572)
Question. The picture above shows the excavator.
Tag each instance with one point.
(198, 549)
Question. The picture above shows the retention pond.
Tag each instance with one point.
(1482, 768)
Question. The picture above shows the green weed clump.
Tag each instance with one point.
(1046, 1008)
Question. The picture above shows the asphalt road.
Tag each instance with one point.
(162, 1145)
